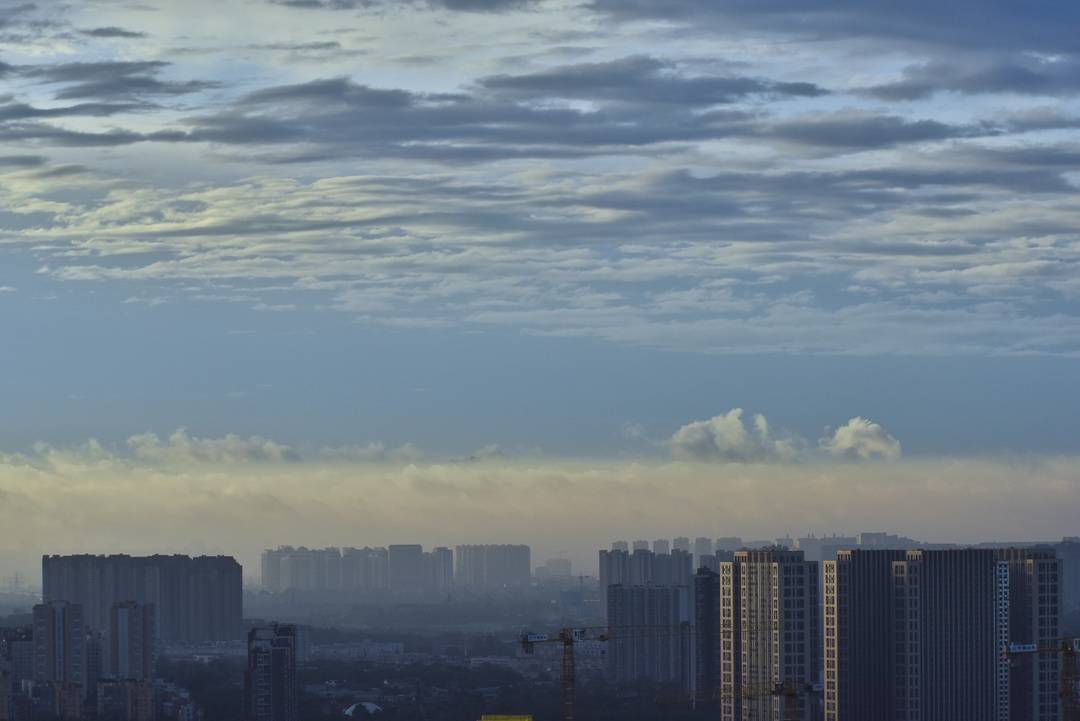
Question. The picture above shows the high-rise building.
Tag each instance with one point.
(729, 543)
(59, 643)
(492, 566)
(770, 635)
(682, 543)
(1069, 553)
(707, 637)
(366, 569)
(702, 547)
(95, 664)
(196, 599)
(60, 658)
(6, 696)
(270, 683)
(620, 546)
(641, 545)
(922, 634)
(643, 567)
(661, 545)
(132, 641)
(407, 567)
(442, 568)
(824, 548)
(649, 634)
(126, 700)
(554, 569)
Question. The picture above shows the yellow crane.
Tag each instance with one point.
(1069, 688)
(791, 690)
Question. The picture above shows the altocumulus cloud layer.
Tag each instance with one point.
(235, 494)
(724, 176)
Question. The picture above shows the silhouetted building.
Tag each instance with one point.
(59, 643)
(682, 543)
(649, 635)
(95, 664)
(702, 547)
(125, 700)
(441, 568)
(271, 691)
(661, 545)
(59, 659)
(922, 634)
(620, 546)
(407, 567)
(643, 567)
(197, 600)
(366, 569)
(1069, 553)
(301, 569)
(770, 634)
(729, 543)
(132, 642)
(555, 568)
(707, 637)
(492, 566)
(6, 696)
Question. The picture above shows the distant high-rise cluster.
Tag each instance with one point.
(492, 566)
(196, 599)
(402, 568)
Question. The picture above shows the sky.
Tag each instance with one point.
(284, 253)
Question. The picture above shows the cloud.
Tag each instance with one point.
(181, 448)
(1025, 75)
(113, 80)
(641, 80)
(861, 438)
(728, 438)
(85, 499)
(112, 32)
(489, 6)
(375, 452)
(977, 24)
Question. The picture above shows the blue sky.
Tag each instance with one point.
(538, 223)
(572, 230)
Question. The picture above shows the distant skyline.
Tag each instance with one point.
(269, 252)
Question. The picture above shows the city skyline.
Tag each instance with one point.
(575, 359)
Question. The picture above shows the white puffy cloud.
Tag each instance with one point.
(861, 438)
(728, 438)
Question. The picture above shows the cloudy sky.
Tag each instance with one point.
(705, 232)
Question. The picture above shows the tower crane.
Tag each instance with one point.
(1069, 689)
(790, 690)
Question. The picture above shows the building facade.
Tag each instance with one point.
(271, 690)
(770, 626)
(132, 642)
(649, 635)
(197, 600)
(922, 634)
(492, 566)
